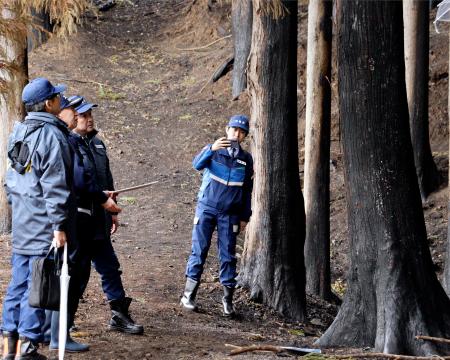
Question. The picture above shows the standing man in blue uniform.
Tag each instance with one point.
(88, 194)
(104, 258)
(224, 201)
(38, 186)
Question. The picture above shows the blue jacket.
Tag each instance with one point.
(227, 182)
(41, 196)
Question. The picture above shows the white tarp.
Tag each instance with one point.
(443, 13)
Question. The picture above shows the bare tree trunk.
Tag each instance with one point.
(13, 78)
(242, 18)
(317, 149)
(393, 292)
(272, 263)
(416, 29)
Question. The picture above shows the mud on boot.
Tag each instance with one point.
(227, 301)
(28, 350)
(10, 340)
(121, 319)
(189, 294)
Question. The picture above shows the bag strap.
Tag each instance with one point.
(56, 258)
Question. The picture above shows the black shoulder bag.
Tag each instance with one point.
(45, 290)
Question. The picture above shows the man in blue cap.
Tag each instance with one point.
(224, 201)
(104, 258)
(88, 195)
(38, 187)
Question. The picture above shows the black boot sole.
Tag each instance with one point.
(125, 330)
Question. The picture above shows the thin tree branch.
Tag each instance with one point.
(205, 46)
(242, 349)
(435, 339)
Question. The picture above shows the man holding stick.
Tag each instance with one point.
(102, 252)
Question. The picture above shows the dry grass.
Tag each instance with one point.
(66, 15)
(16, 18)
(273, 8)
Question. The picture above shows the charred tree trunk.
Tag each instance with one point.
(272, 263)
(13, 77)
(447, 259)
(317, 149)
(39, 33)
(393, 293)
(242, 17)
(416, 28)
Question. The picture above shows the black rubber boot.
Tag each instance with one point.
(10, 340)
(189, 294)
(121, 319)
(227, 301)
(27, 350)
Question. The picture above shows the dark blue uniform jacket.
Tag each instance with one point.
(227, 182)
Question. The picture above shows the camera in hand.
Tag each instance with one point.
(234, 144)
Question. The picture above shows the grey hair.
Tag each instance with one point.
(39, 107)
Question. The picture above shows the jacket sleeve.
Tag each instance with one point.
(55, 165)
(247, 189)
(109, 177)
(202, 160)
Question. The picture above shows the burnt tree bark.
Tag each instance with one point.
(39, 33)
(272, 262)
(242, 18)
(416, 29)
(317, 149)
(13, 77)
(446, 279)
(393, 293)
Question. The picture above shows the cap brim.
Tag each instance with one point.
(85, 107)
(59, 89)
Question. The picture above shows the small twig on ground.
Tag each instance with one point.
(435, 339)
(206, 84)
(205, 46)
(242, 349)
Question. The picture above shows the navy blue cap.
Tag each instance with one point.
(38, 90)
(72, 101)
(239, 121)
(84, 107)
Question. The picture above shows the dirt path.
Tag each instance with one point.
(153, 121)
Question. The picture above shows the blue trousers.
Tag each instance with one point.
(107, 265)
(100, 252)
(18, 316)
(207, 219)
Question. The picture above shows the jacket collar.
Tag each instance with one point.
(47, 118)
(225, 152)
(92, 134)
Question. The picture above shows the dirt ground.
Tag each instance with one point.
(146, 64)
